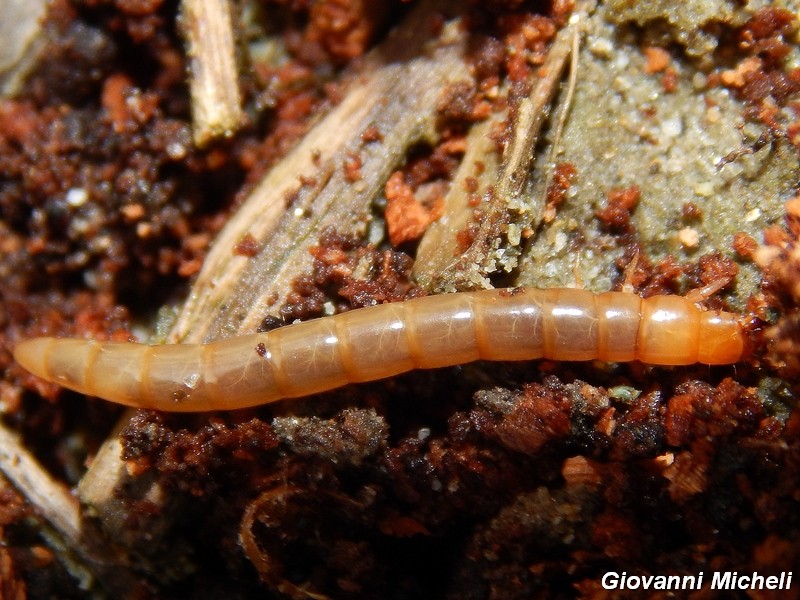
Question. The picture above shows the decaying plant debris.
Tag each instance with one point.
(380, 151)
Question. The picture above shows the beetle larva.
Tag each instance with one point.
(381, 341)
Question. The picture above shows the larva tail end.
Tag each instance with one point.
(32, 355)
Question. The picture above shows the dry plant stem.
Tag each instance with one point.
(23, 40)
(207, 27)
(397, 92)
(518, 159)
(563, 113)
(107, 473)
(531, 114)
(66, 532)
(269, 568)
(52, 501)
(438, 249)
(509, 201)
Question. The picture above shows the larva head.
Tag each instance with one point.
(674, 331)
(721, 339)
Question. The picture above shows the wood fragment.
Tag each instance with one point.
(207, 27)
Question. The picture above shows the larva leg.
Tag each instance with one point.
(700, 294)
(630, 271)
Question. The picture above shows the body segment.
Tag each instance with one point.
(381, 341)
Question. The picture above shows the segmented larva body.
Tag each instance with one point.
(381, 341)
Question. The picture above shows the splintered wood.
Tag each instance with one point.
(474, 239)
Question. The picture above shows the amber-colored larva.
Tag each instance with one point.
(381, 341)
